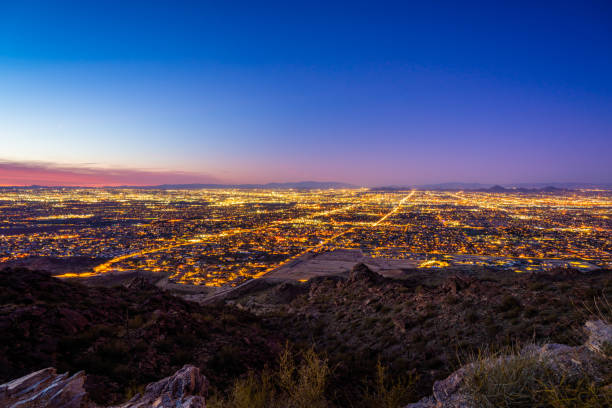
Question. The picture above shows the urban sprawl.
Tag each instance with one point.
(223, 237)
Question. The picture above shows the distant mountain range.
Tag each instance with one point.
(300, 185)
(328, 185)
(521, 187)
(500, 189)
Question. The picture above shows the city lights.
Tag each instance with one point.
(226, 236)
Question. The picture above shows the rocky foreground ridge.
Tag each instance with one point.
(424, 324)
(123, 337)
(187, 387)
(417, 326)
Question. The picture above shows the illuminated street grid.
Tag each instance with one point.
(215, 237)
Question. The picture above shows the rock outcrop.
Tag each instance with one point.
(185, 389)
(45, 388)
(568, 362)
(362, 272)
(600, 337)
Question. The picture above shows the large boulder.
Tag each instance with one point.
(185, 389)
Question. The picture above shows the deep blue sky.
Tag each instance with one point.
(365, 92)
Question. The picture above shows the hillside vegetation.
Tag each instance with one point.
(361, 341)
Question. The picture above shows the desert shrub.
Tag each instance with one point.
(318, 328)
(122, 372)
(452, 299)
(228, 359)
(187, 340)
(472, 316)
(165, 345)
(229, 318)
(510, 304)
(369, 322)
(530, 311)
(136, 321)
(181, 357)
(114, 350)
(492, 330)
(86, 337)
(535, 286)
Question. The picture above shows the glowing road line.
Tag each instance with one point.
(394, 210)
(332, 238)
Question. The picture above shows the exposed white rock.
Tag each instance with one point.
(600, 335)
(45, 388)
(185, 389)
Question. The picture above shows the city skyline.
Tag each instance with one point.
(144, 94)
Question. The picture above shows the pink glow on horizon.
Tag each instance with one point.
(48, 174)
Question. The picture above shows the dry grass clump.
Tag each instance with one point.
(583, 393)
(388, 392)
(524, 380)
(501, 380)
(301, 381)
(600, 308)
(293, 385)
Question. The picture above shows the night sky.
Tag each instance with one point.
(371, 93)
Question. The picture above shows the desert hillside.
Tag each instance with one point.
(415, 330)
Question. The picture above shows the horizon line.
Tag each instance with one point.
(339, 185)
